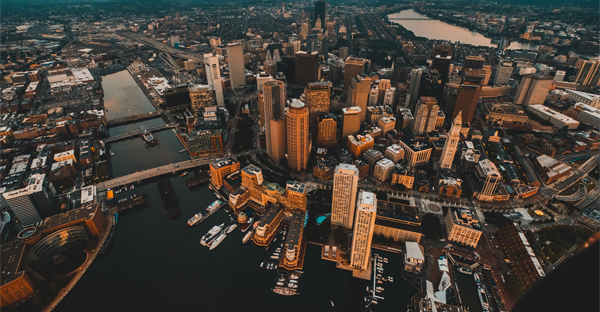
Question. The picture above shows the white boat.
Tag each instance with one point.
(195, 219)
(279, 283)
(292, 286)
(293, 281)
(476, 277)
(247, 236)
(332, 303)
(261, 264)
(214, 231)
(482, 297)
(217, 241)
(294, 277)
(465, 270)
(231, 228)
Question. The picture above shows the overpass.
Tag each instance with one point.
(137, 177)
(135, 133)
(132, 119)
(162, 47)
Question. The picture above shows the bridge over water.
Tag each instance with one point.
(135, 133)
(132, 119)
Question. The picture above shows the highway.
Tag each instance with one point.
(163, 47)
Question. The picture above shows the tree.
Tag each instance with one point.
(431, 226)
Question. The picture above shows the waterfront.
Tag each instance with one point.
(438, 30)
(123, 97)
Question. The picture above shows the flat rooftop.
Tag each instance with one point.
(217, 164)
(11, 255)
(67, 217)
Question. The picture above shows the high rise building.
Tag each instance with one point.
(463, 226)
(358, 94)
(318, 24)
(345, 186)
(353, 67)
(261, 78)
(235, 61)
(307, 68)
(278, 138)
(312, 43)
(588, 73)
(426, 114)
(413, 90)
(274, 108)
(373, 95)
(31, 203)
(317, 97)
(350, 121)
(364, 225)
(488, 73)
(468, 94)
(503, 72)
(522, 89)
(451, 143)
(213, 75)
(304, 29)
(327, 130)
(319, 11)
(474, 62)
(344, 52)
(538, 90)
(201, 96)
(298, 138)
(486, 180)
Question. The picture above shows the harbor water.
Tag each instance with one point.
(123, 97)
(157, 264)
(438, 30)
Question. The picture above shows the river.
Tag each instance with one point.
(438, 30)
(123, 97)
(157, 264)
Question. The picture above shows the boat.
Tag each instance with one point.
(292, 285)
(206, 239)
(261, 264)
(465, 270)
(294, 281)
(247, 236)
(215, 205)
(332, 303)
(279, 283)
(183, 150)
(184, 174)
(231, 228)
(482, 297)
(476, 277)
(149, 138)
(294, 277)
(284, 291)
(246, 226)
(217, 241)
(195, 219)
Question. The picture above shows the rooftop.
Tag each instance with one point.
(296, 186)
(54, 221)
(465, 217)
(11, 255)
(223, 162)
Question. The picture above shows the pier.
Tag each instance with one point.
(135, 133)
(132, 119)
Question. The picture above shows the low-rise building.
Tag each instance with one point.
(557, 119)
(416, 153)
(551, 169)
(394, 153)
(360, 144)
(414, 257)
(463, 226)
(383, 169)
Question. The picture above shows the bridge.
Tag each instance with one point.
(132, 119)
(135, 133)
(137, 177)
(162, 47)
(410, 19)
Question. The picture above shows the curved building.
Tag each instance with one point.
(41, 254)
(298, 141)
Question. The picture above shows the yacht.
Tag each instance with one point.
(247, 236)
(231, 228)
(465, 270)
(217, 241)
(206, 239)
(195, 219)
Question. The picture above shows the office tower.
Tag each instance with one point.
(486, 179)
(394, 152)
(538, 90)
(451, 143)
(298, 139)
(318, 24)
(386, 124)
(488, 73)
(559, 75)
(278, 138)
(296, 45)
(213, 75)
(31, 203)
(235, 61)
(389, 97)
(317, 97)
(319, 11)
(345, 186)
(373, 96)
(344, 52)
(201, 96)
(522, 89)
(406, 119)
(261, 78)
(474, 62)
(358, 94)
(468, 94)
(288, 67)
(383, 170)
(463, 226)
(364, 224)
(327, 130)
(324, 49)
(304, 28)
(360, 144)
(384, 85)
(307, 68)
(353, 67)
(270, 65)
(503, 73)
(330, 27)
(260, 81)
(416, 153)
(413, 90)
(350, 121)
(274, 108)
(312, 43)
(588, 73)
(426, 115)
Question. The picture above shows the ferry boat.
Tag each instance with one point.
(231, 228)
(149, 138)
(217, 241)
(195, 219)
(184, 174)
(284, 291)
(465, 270)
(246, 226)
(215, 205)
(206, 239)
(482, 297)
(247, 236)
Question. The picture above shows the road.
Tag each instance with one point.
(162, 47)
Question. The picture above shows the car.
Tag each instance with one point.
(176, 165)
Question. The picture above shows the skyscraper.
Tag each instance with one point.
(201, 96)
(364, 224)
(474, 62)
(350, 121)
(588, 73)
(353, 67)
(307, 68)
(317, 97)
(451, 143)
(319, 11)
(358, 94)
(468, 94)
(30, 204)
(312, 43)
(426, 115)
(278, 138)
(345, 186)
(503, 73)
(235, 61)
(213, 75)
(274, 108)
(298, 138)
(538, 90)
(522, 89)
(327, 130)
(413, 90)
